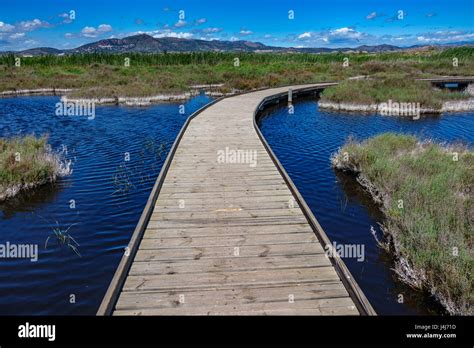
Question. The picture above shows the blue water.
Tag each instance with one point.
(106, 209)
(304, 142)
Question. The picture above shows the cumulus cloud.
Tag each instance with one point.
(306, 35)
(181, 35)
(345, 35)
(32, 25)
(17, 36)
(93, 32)
(165, 33)
(445, 36)
(6, 28)
(350, 37)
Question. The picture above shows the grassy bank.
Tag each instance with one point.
(104, 75)
(427, 198)
(381, 87)
(27, 162)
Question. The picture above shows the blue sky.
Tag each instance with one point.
(330, 23)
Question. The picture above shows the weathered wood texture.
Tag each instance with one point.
(228, 238)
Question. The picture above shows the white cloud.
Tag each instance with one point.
(165, 33)
(94, 32)
(5, 27)
(212, 30)
(233, 38)
(33, 25)
(245, 32)
(306, 35)
(66, 18)
(200, 21)
(445, 36)
(345, 35)
(179, 24)
(371, 16)
(17, 36)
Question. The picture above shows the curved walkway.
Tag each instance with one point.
(226, 232)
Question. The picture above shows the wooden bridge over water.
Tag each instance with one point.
(443, 81)
(230, 235)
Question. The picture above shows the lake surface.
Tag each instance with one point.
(304, 142)
(109, 194)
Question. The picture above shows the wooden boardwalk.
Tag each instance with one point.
(219, 237)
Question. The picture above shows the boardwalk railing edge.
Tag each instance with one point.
(111, 296)
(355, 292)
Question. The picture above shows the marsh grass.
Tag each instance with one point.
(382, 87)
(26, 162)
(432, 234)
(104, 75)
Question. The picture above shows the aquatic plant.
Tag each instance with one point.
(63, 237)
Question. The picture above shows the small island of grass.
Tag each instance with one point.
(368, 94)
(27, 162)
(425, 191)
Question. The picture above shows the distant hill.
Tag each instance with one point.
(40, 51)
(147, 44)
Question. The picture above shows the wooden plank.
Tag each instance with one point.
(197, 253)
(224, 214)
(152, 240)
(205, 231)
(229, 279)
(328, 306)
(220, 297)
(228, 264)
(277, 222)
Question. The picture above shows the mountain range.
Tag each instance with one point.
(147, 44)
